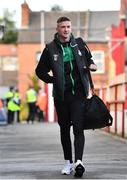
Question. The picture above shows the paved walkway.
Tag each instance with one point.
(34, 152)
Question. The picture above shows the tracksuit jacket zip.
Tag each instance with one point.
(69, 57)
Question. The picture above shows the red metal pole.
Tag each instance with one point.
(123, 120)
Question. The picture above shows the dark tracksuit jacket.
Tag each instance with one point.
(52, 59)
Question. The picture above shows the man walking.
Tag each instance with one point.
(70, 89)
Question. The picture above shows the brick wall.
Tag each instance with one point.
(27, 55)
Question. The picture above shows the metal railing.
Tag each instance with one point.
(117, 107)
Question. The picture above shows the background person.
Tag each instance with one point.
(13, 107)
(31, 97)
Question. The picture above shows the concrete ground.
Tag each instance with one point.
(33, 151)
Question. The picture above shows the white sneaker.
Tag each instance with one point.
(68, 167)
(79, 169)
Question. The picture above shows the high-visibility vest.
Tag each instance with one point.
(14, 103)
(12, 106)
(31, 96)
(9, 94)
(17, 95)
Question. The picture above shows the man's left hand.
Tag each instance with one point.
(93, 67)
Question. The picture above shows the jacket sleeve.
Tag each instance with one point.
(88, 55)
(43, 67)
(84, 48)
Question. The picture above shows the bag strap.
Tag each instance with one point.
(90, 79)
(80, 42)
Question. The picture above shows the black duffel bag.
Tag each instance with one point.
(97, 114)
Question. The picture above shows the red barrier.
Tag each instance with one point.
(116, 103)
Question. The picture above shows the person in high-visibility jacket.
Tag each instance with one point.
(13, 107)
(8, 96)
(31, 96)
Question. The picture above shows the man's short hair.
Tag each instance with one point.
(63, 18)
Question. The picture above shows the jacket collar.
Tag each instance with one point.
(72, 40)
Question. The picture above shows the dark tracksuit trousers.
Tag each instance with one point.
(71, 112)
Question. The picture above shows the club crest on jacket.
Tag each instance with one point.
(55, 57)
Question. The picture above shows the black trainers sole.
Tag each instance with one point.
(79, 170)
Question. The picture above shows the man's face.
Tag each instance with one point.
(64, 30)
